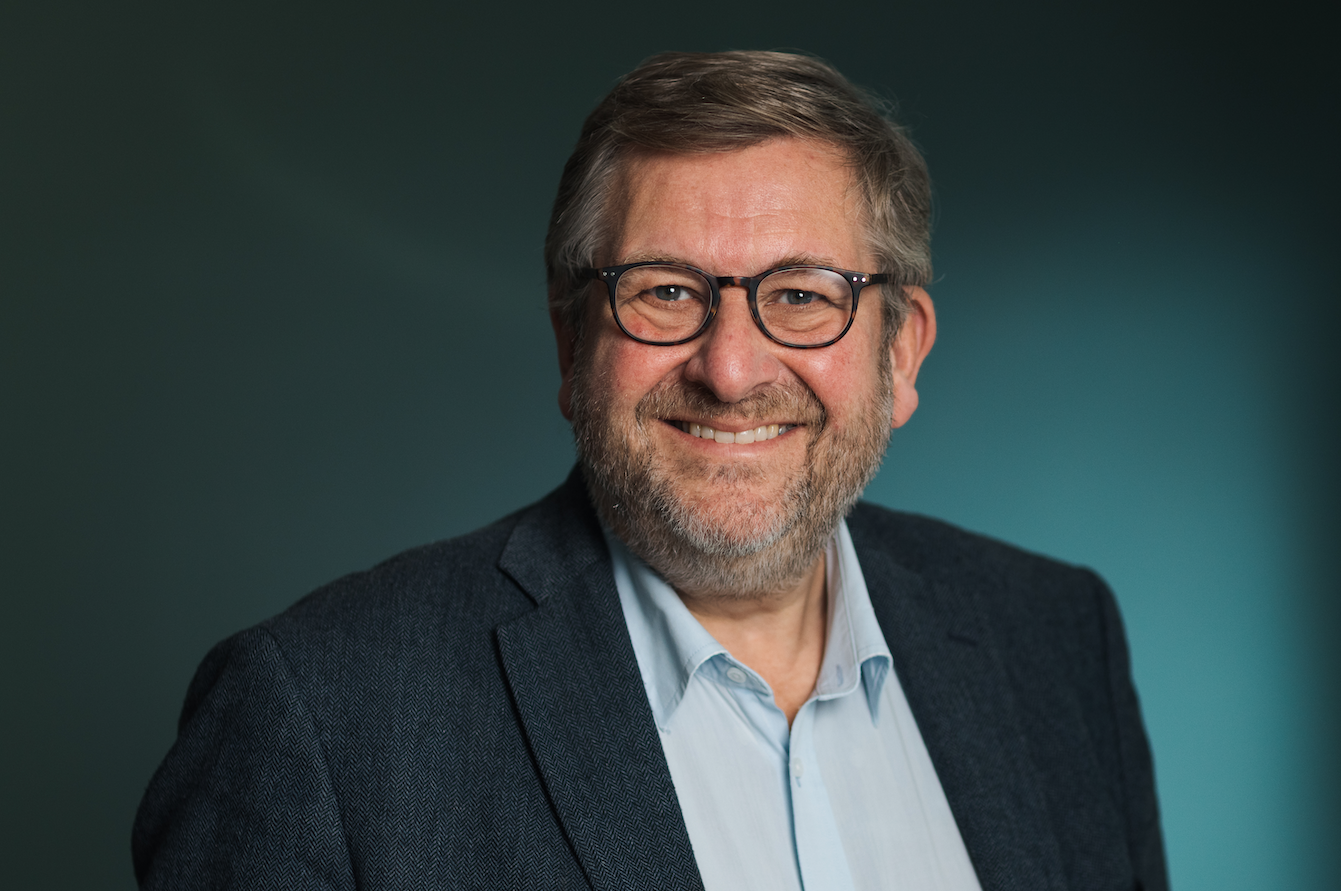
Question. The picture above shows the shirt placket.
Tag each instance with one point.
(819, 847)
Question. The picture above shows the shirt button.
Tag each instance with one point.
(797, 768)
(735, 675)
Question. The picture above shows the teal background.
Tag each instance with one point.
(271, 309)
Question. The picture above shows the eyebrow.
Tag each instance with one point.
(789, 260)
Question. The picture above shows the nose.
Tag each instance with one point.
(733, 357)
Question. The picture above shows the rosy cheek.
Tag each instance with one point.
(837, 372)
(636, 368)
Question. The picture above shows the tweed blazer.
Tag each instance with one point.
(469, 714)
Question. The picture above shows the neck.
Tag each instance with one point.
(781, 635)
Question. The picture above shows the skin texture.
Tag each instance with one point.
(740, 213)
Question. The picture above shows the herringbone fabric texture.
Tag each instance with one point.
(469, 715)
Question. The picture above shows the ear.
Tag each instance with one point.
(909, 347)
(563, 339)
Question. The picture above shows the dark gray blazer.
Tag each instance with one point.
(470, 715)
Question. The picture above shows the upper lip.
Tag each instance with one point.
(731, 426)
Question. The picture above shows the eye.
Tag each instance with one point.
(796, 297)
(671, 292)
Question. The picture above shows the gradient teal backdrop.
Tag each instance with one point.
(252, 337)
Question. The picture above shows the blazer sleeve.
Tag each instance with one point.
(244, 799)
(1137, 766)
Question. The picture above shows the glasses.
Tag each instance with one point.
(665, 304)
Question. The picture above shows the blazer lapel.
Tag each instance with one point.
(965, 708)
(580, 697)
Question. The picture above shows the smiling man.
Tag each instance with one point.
(700, 662)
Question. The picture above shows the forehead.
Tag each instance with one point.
(742, 211)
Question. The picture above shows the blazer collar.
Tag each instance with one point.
(960, 694)
(574, 678)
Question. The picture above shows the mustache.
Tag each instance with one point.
(791, 403)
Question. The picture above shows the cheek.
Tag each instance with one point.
(633, 369)
(830, 372)
(845, 381)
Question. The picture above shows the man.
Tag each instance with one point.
(696, 664)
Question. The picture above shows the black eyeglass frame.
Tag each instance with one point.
(611, 274)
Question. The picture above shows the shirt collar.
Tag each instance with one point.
(671, 645)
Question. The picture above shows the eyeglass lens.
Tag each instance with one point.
(797, 306)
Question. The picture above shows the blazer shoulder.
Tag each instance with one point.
(425, 616)
(940, 550)
(454, 580)
(468, 580)
(1000, 576)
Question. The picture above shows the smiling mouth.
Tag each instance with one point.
(762, 433)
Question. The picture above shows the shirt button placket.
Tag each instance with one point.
(819, 846)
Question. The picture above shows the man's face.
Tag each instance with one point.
(739, 517)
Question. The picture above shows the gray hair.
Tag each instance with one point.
(683, 103)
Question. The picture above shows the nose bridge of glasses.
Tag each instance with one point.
(744, 282)
(734, 281)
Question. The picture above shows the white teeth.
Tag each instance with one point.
(745, 437)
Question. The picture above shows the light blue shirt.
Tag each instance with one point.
(846, 799)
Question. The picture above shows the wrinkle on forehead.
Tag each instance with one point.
(724, 209)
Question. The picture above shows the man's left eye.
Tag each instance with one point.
(793, 297)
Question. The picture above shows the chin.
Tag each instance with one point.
(735, 530)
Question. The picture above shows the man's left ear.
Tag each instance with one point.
(909, 347)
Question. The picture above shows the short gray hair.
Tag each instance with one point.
(684, 103)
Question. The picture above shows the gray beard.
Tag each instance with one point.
(729, 549)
